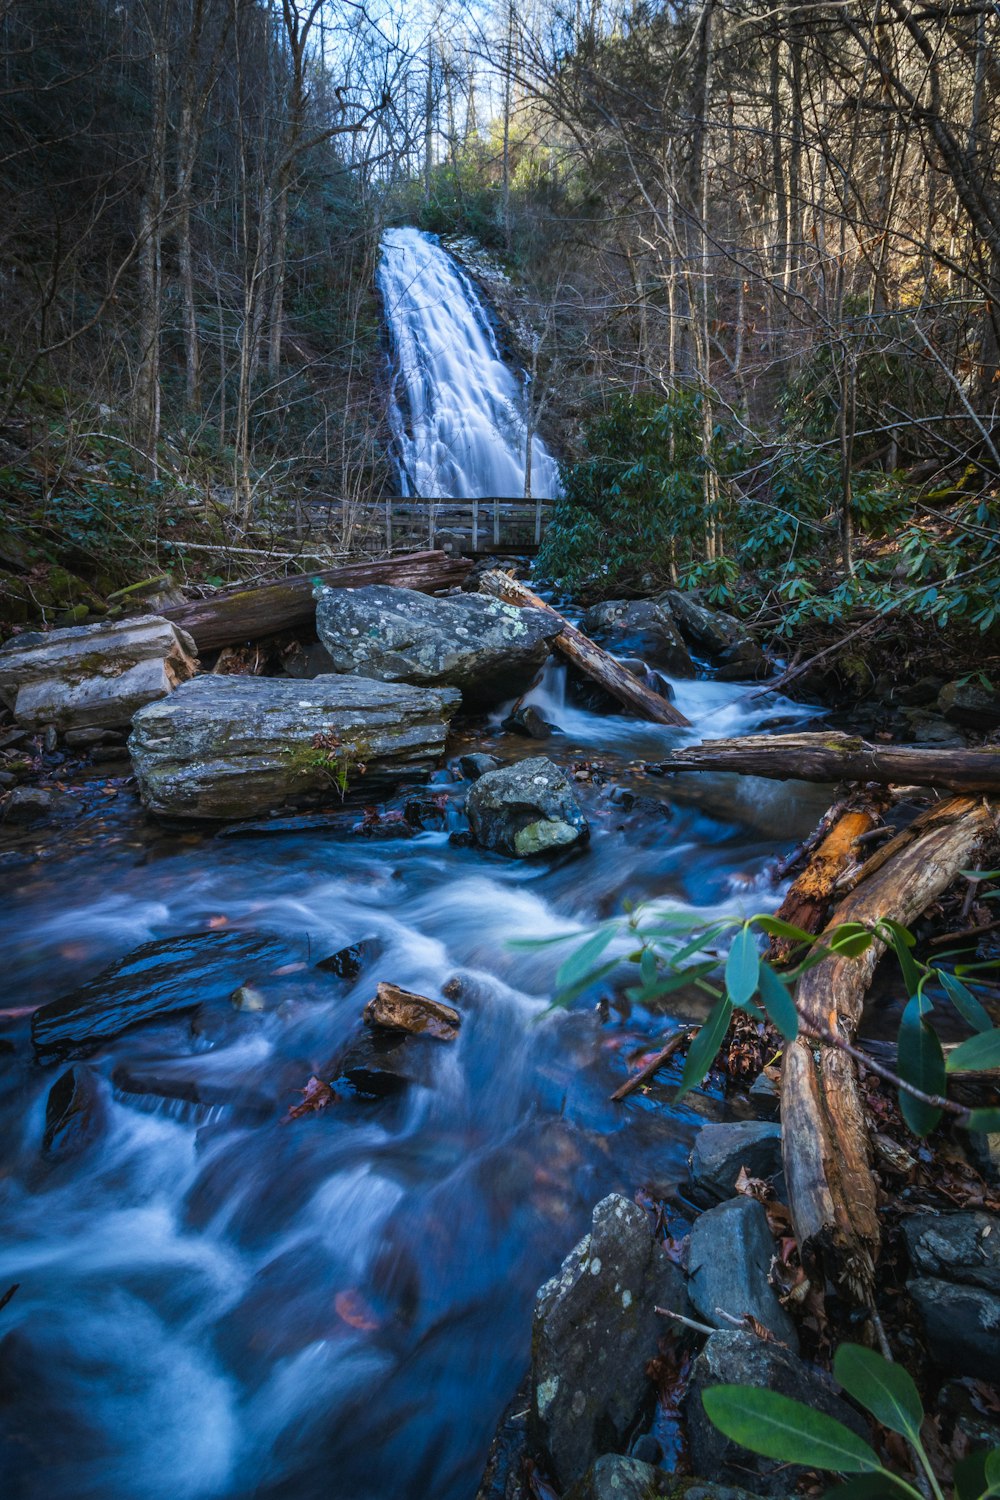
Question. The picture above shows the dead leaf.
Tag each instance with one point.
(316, 1096)
(352, 1308)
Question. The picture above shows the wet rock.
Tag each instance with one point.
(81, 739)
(476, 765)
(7, 780)
(528, 721)
(594, 1332)
(307, 659)
(524, 809)
(743, 661)
(486, 649)
(729, 1256)
(720, 1151)
(984, 1151)
(501, 1476)
(186, 1083)
(736, 1358)
(615, 1477)
(229, 747)
(160, 979)
(348, 962)
(961, 1326)
(30, 804)
(961, 1404)
(75, 1113)
(970, 704)
(108, 755)
(95, 675)
(962, 1247)
(709, 630)
(395, 1009)
(379, 1065)
(640, 627)
(248, 998)
(930, 729)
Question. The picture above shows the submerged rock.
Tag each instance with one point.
(228, 747)
(528, 721)
(158, 980)
(737, 1358)
(640, 627)
(75, 1113)
(348, 962)
(380, 1064)
(394, 1009)
(524, 809)
(486, 649)
(595, 1330)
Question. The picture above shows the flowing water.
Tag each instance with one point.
(459, 413)
(216, 1301)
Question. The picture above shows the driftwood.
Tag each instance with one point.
(841, 757)
(233, 616)
(808, 897)
(825, 1145)
(653, 1066)
(581, 651)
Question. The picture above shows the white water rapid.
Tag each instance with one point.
(459, 413)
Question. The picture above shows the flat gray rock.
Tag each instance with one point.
(526, 808)
(230, 747)
(729, 1255)
(721, 1151)
(487, 649)
(595, 1329)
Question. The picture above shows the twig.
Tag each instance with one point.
(676, 1317)
(964, 932)
(777, 683)
(8, 1294)
(654, 1065)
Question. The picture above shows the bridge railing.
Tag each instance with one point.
(491, 522)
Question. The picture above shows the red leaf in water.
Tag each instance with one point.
(295, 968)
(217, 921)
(354, 1310)
(316, 1096)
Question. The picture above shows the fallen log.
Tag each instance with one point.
(581, 651)
(825, 1145)
(808, 897)
(655, 1063)
(840, 757)
(233, 616)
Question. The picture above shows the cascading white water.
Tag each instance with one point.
(459, 413)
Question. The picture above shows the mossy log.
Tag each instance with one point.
(234, 616)
(825, 1146)
(581, 651)
(842, 757)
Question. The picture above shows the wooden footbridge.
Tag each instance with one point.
(494, 524)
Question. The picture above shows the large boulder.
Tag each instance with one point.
(524, 809)
(595, 1330)
(718, 635)
(643, 628)
(970, 704)
(721, 1152)
(230, 747)
(486, 649)
(737, 1358)
(94, 675)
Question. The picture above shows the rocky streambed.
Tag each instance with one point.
(292, 1137)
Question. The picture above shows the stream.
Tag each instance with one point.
(217, 1301)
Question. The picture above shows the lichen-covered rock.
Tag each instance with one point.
(595, 1329)
(615, 1477)
(729, 1256)
(94, 675)
(962, 1247)
(719, 635)
(486, 649)
(640, 627)
(524, 809)
(229, 747)
(737, 1358)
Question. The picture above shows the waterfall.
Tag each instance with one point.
(457, 411)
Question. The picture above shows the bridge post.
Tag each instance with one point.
(496, 521)
(475, 525)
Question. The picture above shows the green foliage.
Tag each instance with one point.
(678, 951)
(781, 1428)
(635, 505)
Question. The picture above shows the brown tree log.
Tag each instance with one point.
(234, 616)
(808, 897)
(841, 757)
(825, 1146)
(597, 664)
